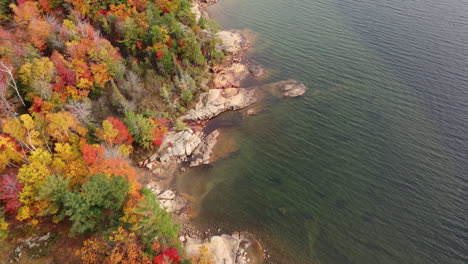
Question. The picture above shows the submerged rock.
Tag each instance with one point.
(231, 77)
(217, 101)
(256, 70)
(239, 248)
(292, 88)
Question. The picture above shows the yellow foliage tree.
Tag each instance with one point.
(38, 74)
(24, 130)
(32, 176)
(68, 161)
(204, 256)
(9, 152)
(63, 127)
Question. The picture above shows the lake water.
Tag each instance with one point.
(371, 165)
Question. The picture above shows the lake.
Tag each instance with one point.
(371, 165)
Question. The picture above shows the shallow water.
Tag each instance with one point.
(370, 166)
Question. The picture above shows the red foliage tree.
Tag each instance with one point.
(159, 130)
(9, 189)
(123, 137)
(168, 256)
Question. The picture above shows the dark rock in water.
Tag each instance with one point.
(283, 210)
(256, 69)
(292, 88)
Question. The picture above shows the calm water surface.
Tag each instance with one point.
(371, 165)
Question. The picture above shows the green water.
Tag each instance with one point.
(370, 166)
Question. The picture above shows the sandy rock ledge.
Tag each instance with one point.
(238, 248)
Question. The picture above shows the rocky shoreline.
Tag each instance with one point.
(194, 147)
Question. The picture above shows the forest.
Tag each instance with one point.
(84, 86)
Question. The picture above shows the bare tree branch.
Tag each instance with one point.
(11, 82)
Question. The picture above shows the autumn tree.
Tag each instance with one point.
(121, 247)
(38, 74)
(9, 189)
(32, 176)
(10, 152)
(169, 255)
(204, 256)
(141, 129)
(3, 225)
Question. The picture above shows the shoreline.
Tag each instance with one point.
(182, 150)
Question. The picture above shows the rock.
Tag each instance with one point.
(213, 102)
(176, 146)
(256, 70)
(292, 88)
(175, 205)
(182, 239)
(202, 153)
(196, 10)
(209, 2)
(154, 187)
(232, 41)
(231, 77)
(226, 249)
(167, 195)
(251, 112)
(182, 169)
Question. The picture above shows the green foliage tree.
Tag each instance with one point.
(99, 203)
(140, 128)
(187, 96)
(54, 190)
(155, 223)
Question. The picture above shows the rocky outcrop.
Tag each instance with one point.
(34, 246)
(232, 41)
(239, 248)
(216, 101)
(177, 146)
(292, 88)
(169, 200)
(202, 154)
(230, 77)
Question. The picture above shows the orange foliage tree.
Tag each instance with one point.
(121, 247)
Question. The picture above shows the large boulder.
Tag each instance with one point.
(231, 77)
(232, 41)
(217, 101)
